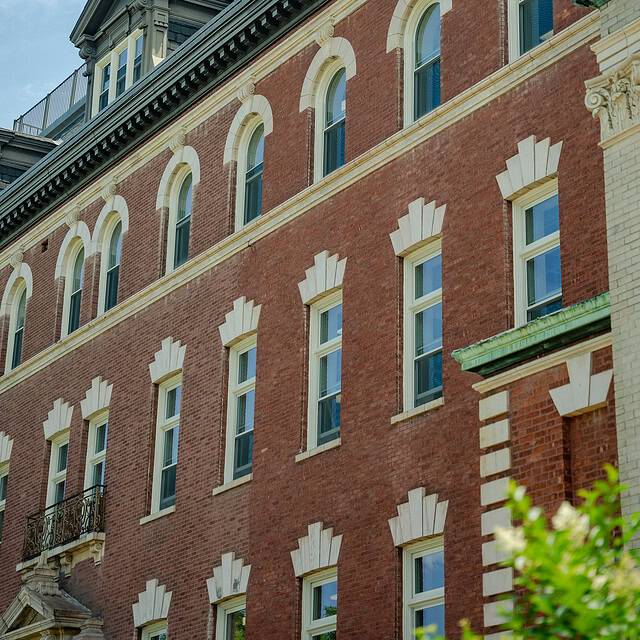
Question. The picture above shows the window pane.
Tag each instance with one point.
(544, 309)
(58, 494)
(3, 487)
(168, 487)
(330, 373)
(16, 356)
(336, 98)
(62, 458)
(428, 378)
(429, 572)
(247, 365)
(236, 624)
(243, 457)
(121, 77)
(329, 418)
(334, 146)
(427, 88)
(428, 36)
(1, 522)
(111, 293)
(74, 311)
(536, 22)
(162, 635)
(22, 307)
(329, 635)
(542, 220)
(137, 62)
(431, 615)
(325, 600)
(428, 276)
(331, 324)
(253, 194)
(101, 438)
(170, 452)
(115, 246)
(174, 399)
(99, 472)
(255, 150)
(182, 242)
(428, 327)
(78, 271)
(544, 276)
(245, 412)
(103, 101)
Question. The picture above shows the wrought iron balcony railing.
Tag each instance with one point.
(64, 522)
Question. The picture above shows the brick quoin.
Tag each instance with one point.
(354, 488)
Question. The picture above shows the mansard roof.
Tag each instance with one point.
(218, 50)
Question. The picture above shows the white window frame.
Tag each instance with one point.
(234, 391)
(162, 425)
(19, 289)
(72, 254)
(174, 202)
(4, 473)
(316, 352)
(93, 458)
(513, 29)
(522, 253)
(411, 308)
(322, 88)
(111, 58)
(311, 628)
(411, 602)
(151, 630)
(223, 610)
(110, 227)
(409, 56)
(54, 476)
(241, 170)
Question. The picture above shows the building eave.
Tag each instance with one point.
(219, 49)
(594, 4)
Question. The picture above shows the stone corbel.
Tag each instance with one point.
(614, 98)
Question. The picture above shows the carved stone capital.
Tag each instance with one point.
(87, 52)
(325, 32)
(17, 258)
(614, 98)
(247, 90)
(72, 217)
(178, 141)
(109, 191)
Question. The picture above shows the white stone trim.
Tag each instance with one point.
(256, 107)
(422, 224)
(319, 549)
(22, 272)
(6, 444)
(494, 405)
(332, 50)
(533, 165)
(400, 17)
(498, 581)
(168, 361)
(324, 277)
(115, 205)
(241, 322)
(153, 604)
(421, 516)
(78, 232)
(58, 419)
(494, 433)
(182, 156)
(97, 398)
(494, 612)
(494, 491)
(495, 462)
(490, 520)
(585, 392)
(492, 553)
(229, 580)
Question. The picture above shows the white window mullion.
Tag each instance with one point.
(319, 603)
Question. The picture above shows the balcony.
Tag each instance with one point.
(59, 113)
(68, 532)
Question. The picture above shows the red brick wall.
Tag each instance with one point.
(356, 487)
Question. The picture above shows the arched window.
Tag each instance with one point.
(253, 175)
(180, 224)
(113, 267)
(16, 327)
(335, 107)
(74, 291)
(426, 72)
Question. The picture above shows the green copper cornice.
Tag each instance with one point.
(540, 336)
(596, 4)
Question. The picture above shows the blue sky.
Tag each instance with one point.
(35, 51)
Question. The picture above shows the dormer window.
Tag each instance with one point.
(118, 70)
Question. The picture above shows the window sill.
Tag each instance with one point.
(227, 486)
(317, 450)
(158, 514)
(425, 408)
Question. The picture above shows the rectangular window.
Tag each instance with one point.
(121, 76)
(166, 453)
(155, 632)
(423, 327)
(423, 591)
(58, 470)
(320, 606)
(537, 272)
(75, 301)
(4, 478)
(231, 620)
(103, 100)
(137, 60)
(181, 250)
(95, 475)
(241, 409)
(530, 24)
(325, 374)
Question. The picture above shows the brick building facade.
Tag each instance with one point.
(148, 288)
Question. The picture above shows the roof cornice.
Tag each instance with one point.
(220, 48)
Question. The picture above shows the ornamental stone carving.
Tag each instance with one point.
(153, 604)
(241, 322)
(168, 361)
(230, 579)
(421, 516)
(325, 32)
(97, 398)
(325, 276)
(58, 419)
(614, 97)
(247, 89)
(319, 549)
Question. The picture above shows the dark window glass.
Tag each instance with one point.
(330, 397)
(18, 333)
(104, 89)
(335, 114)
(254, 176)
(428, 355)
(536, 23)
(429, 572)
(427, 63)
(428, 277)
(431, 616)
(137, 60)
(170, 463)
(183, 222)
(543, 219)
(236, 625)
(75, 298)
(121, 76)
(245, 411)
(544, 284)
(325, 600)
(113, 268)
